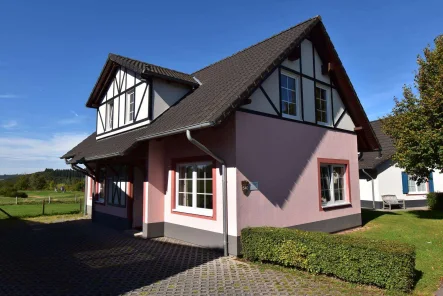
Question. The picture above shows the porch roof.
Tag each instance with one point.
(371, 160)
(225, 85)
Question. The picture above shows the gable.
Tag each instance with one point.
(307, 69)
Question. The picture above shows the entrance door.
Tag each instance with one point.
(137, 209)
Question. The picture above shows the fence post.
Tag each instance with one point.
(43, 212)
(16, 200)
(49, 199)
(75, 198)
(80, 202)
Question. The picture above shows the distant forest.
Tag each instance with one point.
(49, 179)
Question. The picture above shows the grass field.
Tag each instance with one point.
(423, 229)
(22, 211)
(36, 197)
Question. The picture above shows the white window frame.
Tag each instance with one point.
(128, 106)
(192, 210)
(416, 187)
(328, 105)
(110, 123)
(297, 95)
(333, 202)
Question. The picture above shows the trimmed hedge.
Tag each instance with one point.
(435, 201)
(11, 192)
(375, 262)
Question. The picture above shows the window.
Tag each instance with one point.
(130, 107)
(321, 105)
(110, 115)
(333, 184)
(415, 188)
(194, 188)
(289, 95)
(116, 191)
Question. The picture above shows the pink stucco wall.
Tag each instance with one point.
(155, 184)
(282, 156)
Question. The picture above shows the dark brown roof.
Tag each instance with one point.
(225, 86)
(153, 70)
(371, 160)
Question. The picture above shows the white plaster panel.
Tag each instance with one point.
(137, 78)
(100, 126)
(259, 103)
(110, 92)
(306, 58)
(346, 123)
(294, 65)
(166, 94)
(338, 105)
(139, 91)
(232, 203)
(308, 100)
(130, 79)
(318, 72)
(271, 86)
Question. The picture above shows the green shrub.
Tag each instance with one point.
(375, 262)
(435, 201)
(21, 194)
(12, 192)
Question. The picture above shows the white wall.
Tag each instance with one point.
(124, 81)
(271, 86)
(165, 94)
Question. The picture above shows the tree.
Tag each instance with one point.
(416, 121)
(38, 181)
(22, 183)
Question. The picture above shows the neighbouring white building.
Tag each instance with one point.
(380, 176)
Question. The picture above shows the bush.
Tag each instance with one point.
(11, 192)
(435, 201)
(375, 262)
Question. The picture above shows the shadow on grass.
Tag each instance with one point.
(427, 214)
(418, 274)
(369, 215)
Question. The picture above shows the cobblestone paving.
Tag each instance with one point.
(81, 258)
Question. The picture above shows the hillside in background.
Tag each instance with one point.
(6, 177)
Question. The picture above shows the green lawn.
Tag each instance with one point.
(423, 229)
(53, 194)
(21, 211)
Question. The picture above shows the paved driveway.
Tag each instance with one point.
(81, 258)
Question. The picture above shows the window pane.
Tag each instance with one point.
(208, 186)
(292, 96)
(200, 201)
(189, 200)
(338, 177)
(325, 184)
(292, 109)
(317, 93)
(323, 94)
(283, 80)
(411, 184)
(421, 187)
(181, 199)
(284, 95)
(285, 108)
(291, 83)
(208, 201)
(200, 186)
(185, 171)
(204, 171)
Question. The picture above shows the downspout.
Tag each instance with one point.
(224, 187)
(372, 183)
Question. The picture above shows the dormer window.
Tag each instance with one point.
(130, 107)
(110, 115)
(289, 95)
(321, 105)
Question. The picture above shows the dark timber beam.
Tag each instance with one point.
(295, 54)
(326, 68)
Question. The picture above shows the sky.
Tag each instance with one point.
(52, 52)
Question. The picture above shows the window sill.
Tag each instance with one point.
(417, 193)
(324, 123)
(337, 205)
(291, 117)
(198, 214)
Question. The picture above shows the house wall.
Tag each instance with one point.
(308, 70)
(389, 181)
(161, 219)
(282, 157)
(166, 94)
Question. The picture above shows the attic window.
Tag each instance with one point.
(130, 107)
(110, 115)
(289, 85)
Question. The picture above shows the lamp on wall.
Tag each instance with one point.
(246, 187)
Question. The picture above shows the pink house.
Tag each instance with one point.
(268, 136)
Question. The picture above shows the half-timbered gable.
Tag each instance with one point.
(300, 89)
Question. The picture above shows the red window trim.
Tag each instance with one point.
(321, 161)
(174, 163)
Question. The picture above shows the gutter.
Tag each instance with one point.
(372, 184)
(224, 187)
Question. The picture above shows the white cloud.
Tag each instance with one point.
(9, 124)
(73, 112)
(22, 154)
(9, 96)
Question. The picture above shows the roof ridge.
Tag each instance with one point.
(318, 17)
(120, 56)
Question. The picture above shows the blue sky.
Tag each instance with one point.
(53, 51)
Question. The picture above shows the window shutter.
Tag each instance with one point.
(404, 180)
(431, 183)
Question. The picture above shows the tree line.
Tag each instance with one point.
(49, 179)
